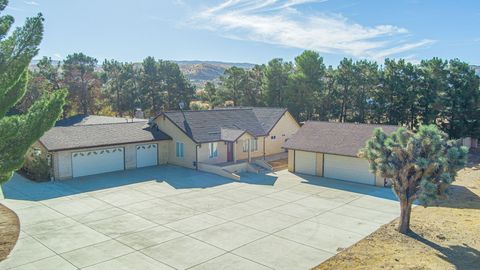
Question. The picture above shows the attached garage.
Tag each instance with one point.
(91, 149)
(330, 150)
(97, 161)
(147, 155)
(348, 168)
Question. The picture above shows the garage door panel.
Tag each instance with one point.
(97, 161)
(348, 168)
(147, 155)
(305, 162)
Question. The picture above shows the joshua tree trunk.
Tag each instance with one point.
(405, 211)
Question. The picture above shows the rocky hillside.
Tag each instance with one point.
(198, 72)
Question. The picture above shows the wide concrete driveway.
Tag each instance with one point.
(174, 218)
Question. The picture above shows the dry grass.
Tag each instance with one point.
(9, 231)
(446, 236)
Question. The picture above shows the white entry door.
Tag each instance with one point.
(348, 168)
(147, 155)
(305, 162)
(97, 161)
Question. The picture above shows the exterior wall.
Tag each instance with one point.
(130, 156)
(204, 152)
(239, 147)
(177, 135)
(62, 163)
(163, 152)
(319, 164)
(283, 130)
(62, 160)
(291, 160)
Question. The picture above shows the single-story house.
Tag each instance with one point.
(329, 149)
(87, 145)
(225, 135)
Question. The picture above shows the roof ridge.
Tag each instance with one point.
(101, 124)
(351, 123)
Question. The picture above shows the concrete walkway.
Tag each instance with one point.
(174, 218)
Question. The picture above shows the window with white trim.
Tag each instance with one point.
(245, 145)
(212, 150)
(179, 149)
(254, 145)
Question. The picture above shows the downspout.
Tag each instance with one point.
(196, 157)
(264, 147)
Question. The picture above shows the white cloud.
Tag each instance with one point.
(32, 3)
(58, 56)
(280, 22)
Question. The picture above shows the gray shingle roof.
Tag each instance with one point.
(230, 135)
(333, 138)
(82, 119)
(85, 136)
(206, 125)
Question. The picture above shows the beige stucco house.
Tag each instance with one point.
(225, 135)
(96, 144)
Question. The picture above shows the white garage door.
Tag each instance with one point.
(305, 162)
(147, 155)
(97, 161)
(348, 168)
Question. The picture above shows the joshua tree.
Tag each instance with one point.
(420, 165)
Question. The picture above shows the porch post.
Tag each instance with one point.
(249, 150)
(234, 151)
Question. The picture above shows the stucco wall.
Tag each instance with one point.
(177, 135)
(62, 160)
(291, 160)
(239, 147)
(283, 130)
(204, 152)
(319, 167)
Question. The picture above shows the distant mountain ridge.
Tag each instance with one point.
(198, 72)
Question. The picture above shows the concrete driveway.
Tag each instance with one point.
(174, 218)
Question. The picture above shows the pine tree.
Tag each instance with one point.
(19, 132)
(420, 165)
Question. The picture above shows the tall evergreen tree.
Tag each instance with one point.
(151, 85)
(276, 81)
(234, 82)
(19, 132)
(82, 82)
(305, 86)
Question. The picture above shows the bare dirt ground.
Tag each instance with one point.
(279, 164)
(9, 231)
(446, 236)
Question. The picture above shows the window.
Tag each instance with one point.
(179, 149)
(254, 146)
(245, 145)
(212, 150)
(273, 137)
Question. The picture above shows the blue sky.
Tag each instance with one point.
(257, 31)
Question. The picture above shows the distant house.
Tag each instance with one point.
(86, 145)
(330, 150)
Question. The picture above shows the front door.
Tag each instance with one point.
(229, 151)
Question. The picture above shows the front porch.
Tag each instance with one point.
(231, 169)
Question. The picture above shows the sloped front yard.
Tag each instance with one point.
(443, 237)
(9, 231)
